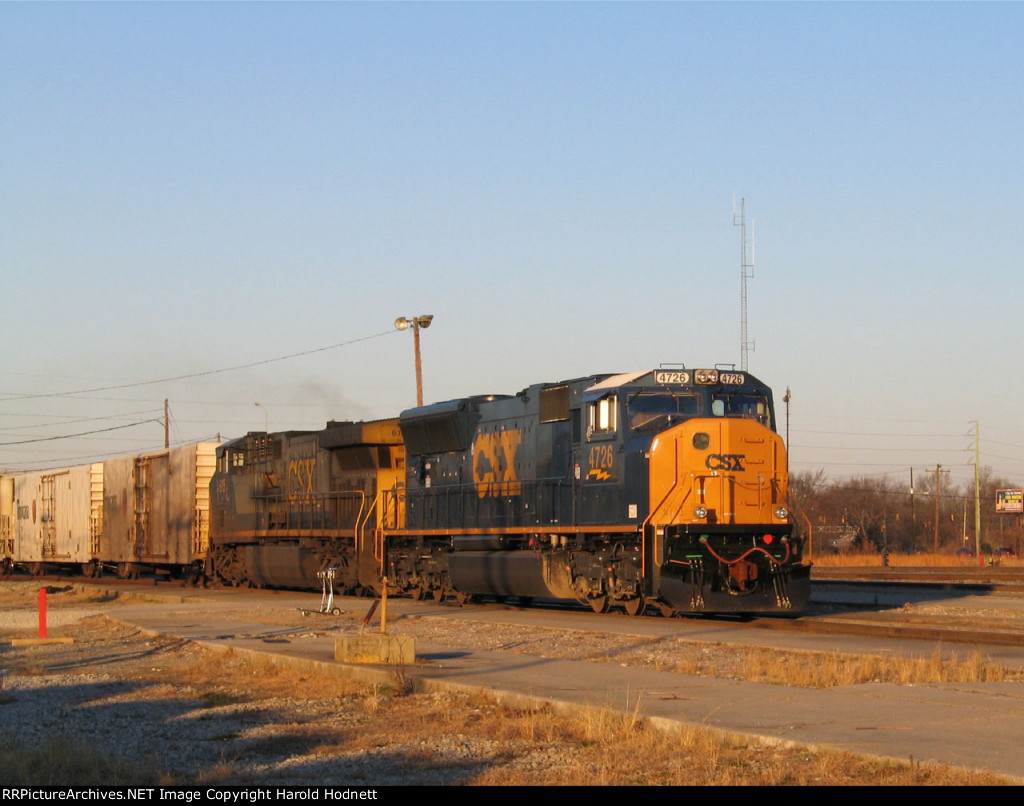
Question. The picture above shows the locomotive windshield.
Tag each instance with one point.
(655, 410)
(651, 409)
(751, 407)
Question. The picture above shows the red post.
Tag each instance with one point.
(42, 612)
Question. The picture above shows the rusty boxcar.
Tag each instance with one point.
(156, 510)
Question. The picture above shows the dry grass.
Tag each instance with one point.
(60, 762)
(873, 559)
(827, 670)
(514, 749)
(786, 667)
(620, 750)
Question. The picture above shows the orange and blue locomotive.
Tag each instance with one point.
(664, 488)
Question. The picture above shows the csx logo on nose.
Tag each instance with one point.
(725, 461)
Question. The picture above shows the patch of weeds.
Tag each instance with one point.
(400, 683)
(226, 737)
(216, 699)
(61, 762)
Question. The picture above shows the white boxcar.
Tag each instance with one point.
(6, 522)
(156, 509)
(58, 517)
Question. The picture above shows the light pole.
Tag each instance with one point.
(402, 323)
(786, 400)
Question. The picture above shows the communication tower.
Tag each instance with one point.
(746, 273)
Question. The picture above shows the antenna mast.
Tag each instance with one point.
(746, 273)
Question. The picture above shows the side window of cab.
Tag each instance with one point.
(603, 417)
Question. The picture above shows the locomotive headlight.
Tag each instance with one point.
(701, 441)
(705, 375)
(700, 512)
(781, 513)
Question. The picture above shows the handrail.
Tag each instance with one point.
(309, 510)
(472, 501)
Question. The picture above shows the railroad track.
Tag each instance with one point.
(875, 615)
(823, 625)
(992, 577)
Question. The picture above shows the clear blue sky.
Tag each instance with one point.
(190, 187)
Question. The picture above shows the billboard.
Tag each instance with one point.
(1010, 501)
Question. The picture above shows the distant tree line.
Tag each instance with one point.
(882, 513)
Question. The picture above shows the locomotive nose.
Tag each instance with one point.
(722, 471)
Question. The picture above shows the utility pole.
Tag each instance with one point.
(786, 400)
(977, 489)
(938, 496)
(913, 515)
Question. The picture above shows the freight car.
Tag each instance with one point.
(130, 515)
(663, 488)
(52, 519)
(156, 511)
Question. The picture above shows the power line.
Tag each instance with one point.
(65, 461)
(82, 434)
(73, 421)
(870, 434)
(872, 450)
(202, 374)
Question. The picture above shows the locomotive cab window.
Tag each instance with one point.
(603, 416)
(656, 409)
(751, 407)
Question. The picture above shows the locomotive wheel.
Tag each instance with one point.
(463, 598)
(600, 604)
(439, 594)
(417, 594)
(667, 610)
(635, 607)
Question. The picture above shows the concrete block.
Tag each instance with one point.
(375, 649)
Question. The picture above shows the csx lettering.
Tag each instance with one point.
(494, 463)
(300, 479)
(725, 461)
